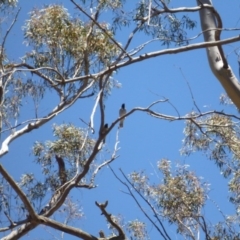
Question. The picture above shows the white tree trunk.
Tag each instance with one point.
(216, 58)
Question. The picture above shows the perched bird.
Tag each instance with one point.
(61, 169)
(101, 234)
(122, 111)
(105, 128)
(45, 209)
(101, 133)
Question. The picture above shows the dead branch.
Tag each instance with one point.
(110, 220)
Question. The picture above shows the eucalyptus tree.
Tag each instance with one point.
(73, 58)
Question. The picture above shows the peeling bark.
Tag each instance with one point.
(210, 23)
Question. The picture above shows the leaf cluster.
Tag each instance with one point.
(64, 42)
(72, 146)
(179, 198)
(167, 27)
(218, 136)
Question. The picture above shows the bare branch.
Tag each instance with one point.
(9, 219)
(31, 126)
(19, 192)
(113, 157)
(141, 208)
(94, 110)
(180, 9)
(110, 220)
(190, 89)
(21, 231)
(43, 76)
(157, 54)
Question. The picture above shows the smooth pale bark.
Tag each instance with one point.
(224, 74)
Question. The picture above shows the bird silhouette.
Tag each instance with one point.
(122, 111)
(104, 130)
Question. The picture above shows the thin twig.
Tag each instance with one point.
(6, 35)
(113, 157)
(103, 29)
(139, 205)
(19, 192)
(110, 220)
(190, 90)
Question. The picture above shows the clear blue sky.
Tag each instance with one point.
(143, 140)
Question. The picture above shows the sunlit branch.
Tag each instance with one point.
(94, 110)
(149, 55)
(31, 126)
(102, 85)
(21, 231)
(180, 9)
(218, 34)
(149, 11)
(143, 45)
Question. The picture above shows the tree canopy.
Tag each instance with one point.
(93, 173)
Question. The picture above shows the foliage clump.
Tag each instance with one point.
(60, 40)
(218, 136)
(179, 198)
(72, 146)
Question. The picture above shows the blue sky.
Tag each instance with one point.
(143, 140)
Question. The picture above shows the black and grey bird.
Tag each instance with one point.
(102, 134)
(122, 111)
(44, 209)
(101, 234)
(104, 130)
